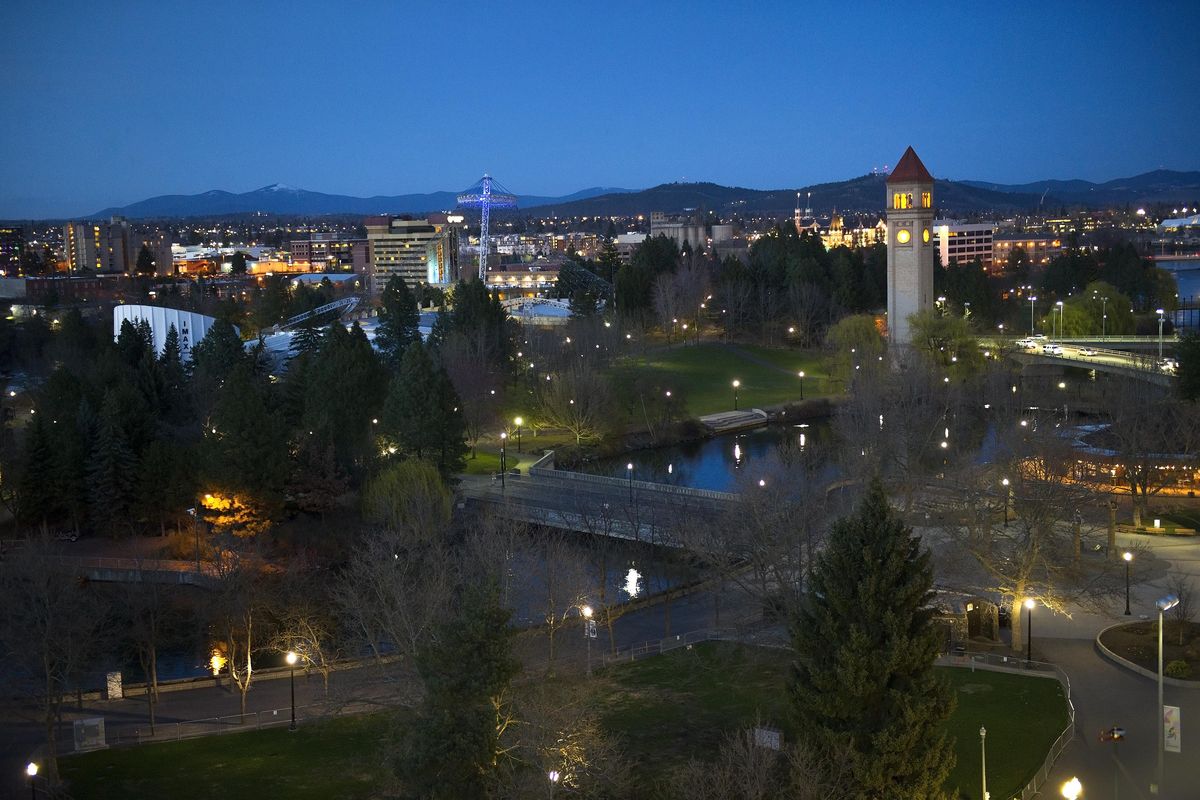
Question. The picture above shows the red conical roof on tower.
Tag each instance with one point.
(910, 169)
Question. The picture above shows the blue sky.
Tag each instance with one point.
(108, 103)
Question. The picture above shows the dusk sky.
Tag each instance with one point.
(109, 103)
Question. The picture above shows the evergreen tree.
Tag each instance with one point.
(132, 343)
(343, 392)
(410, 400)
(145, 261)
(609, 260)
(37, 499)
(398, 321)
(174, 377)
(1189, 367)
(863, 689)
(452, 749)
(111, 472)
(306, 339)
(448, 425)
(237, 264)
(213, 359)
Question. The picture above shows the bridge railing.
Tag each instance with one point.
(623, 484)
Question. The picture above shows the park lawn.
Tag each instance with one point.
(671, 708)
(339, 757)
(703, 376)
(484, 463)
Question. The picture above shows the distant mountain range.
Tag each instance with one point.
(864, 194)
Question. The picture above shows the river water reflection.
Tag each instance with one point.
(722, 463)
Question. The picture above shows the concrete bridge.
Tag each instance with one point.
(135, 570)
(641, 511)
(1113, 362)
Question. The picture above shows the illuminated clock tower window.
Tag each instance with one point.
(902, 236)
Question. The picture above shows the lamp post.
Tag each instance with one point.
(736, 384)
(31, 769)
(801, 374)
(291, 660)
(1128, 556)
(983, 760)
(1032, 300)
(1007, 493)
(1164, 605)
(518, 422)
(1072, 789)
(503, 459)
(553, 776)
(1028, 631)
(586, 611)
(629, 474)
(1059, 304)
(1161, 319)
(1103, 317)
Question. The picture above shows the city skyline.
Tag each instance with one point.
(143, 100)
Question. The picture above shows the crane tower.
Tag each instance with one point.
(486, 195)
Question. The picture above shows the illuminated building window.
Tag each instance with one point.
(926, 199)
(902, 200)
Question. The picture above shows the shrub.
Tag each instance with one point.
(1178, 669)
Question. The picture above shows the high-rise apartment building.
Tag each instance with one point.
(418, 250)
(329, 252)
(962, 243)
(98, 246)
(12, 248)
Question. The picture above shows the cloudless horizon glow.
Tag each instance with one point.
(108, 104)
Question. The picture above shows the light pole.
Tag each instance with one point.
(629, 474)
(291, 660)
(1103, 318)
(1128, 556)
(736, 384)
(518, 422)
(1072, 789)
(553, 776)
(1007, 493)
(1164, 605)
(801, 373)
(31, 769)
(1032, 300)
(1161, 319)
(1028, 631)
(1059, 304)
(503, 460)
(586, 611)
(983, 760)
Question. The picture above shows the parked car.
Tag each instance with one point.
(1052, 349)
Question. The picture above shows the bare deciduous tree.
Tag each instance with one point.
(577, 399)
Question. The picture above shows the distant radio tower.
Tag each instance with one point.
(485, 195)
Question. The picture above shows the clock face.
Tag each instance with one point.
(925, 236)
(902, 236)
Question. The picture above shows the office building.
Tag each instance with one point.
(418, 250)
(1039, 248)
(962, 243)
(12, 248)
(329, 252)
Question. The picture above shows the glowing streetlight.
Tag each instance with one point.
(588, 633)
(629, 473)
(554, 778)
(503, 459)
(801, 374)
(1128, 556)
(1028, 630)
(1032, 300)
(1072, 789)
(736, 384)
(291, 659)
(1161, 319)
(31, 769)
(983, 760)
(1007, 494)
(518, 422)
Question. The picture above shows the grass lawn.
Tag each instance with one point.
(484, 463)
(338, 758)
(703, 375)
(665, 710)
(680, 706)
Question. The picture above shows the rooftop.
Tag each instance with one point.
(910, 169)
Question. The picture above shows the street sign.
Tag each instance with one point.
(1171, 729)
(591, 629)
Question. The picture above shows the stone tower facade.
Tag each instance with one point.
(910, 251)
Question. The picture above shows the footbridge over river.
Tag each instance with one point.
(623, 508)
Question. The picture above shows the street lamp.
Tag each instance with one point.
(1060, 319)
(801, 374)
(1072, 789)
(983, 760)
(1161, 319)
(1032, 300)
(553, 776)
(1007, 493)
(629, 473)
(1028, 631)
(31, 769)
(1164, 605)
(736, 384)
(518, 422)
(291, 660)
(1103, 317)
(1128, 556)
(503, 459)
(586, 611)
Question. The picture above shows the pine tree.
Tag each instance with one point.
(863, 689)
(145, 261)
(111, 472)
(410, 399)
(448, 426)
(398, 321)
(306, 339)
(37, 498)
(452, 749)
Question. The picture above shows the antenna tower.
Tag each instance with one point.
(486, 195)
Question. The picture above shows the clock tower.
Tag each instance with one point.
(909, 249)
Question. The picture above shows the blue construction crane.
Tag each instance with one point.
(486, 195)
